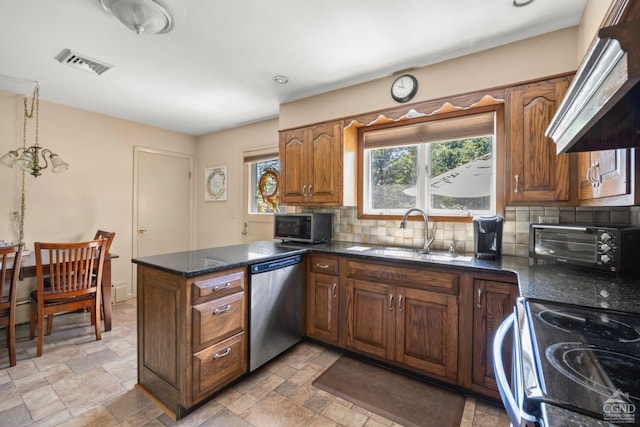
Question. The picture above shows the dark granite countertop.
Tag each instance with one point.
(550, 282)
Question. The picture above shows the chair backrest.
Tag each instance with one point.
(10, 257)
(74, 268)
(109, 235)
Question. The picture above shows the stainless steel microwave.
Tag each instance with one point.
(308, 227)
(604, 247)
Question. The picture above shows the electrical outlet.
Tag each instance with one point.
(548, 219)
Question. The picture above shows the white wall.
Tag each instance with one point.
(220, 223)
(96, 191)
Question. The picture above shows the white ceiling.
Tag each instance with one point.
(215, 69)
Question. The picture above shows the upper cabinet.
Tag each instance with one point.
(311, 165)
(608, 178)
(535, 174)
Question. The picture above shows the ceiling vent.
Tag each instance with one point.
(82, 62)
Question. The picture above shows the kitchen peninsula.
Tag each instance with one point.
(193, 311)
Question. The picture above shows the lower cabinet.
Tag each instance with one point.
(192, 334)
(415, 326)
(323, 298)
(493, 301)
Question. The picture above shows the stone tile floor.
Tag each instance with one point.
(79, 381)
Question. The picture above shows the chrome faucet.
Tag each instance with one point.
(428, 240)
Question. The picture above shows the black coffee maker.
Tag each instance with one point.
(487, 235)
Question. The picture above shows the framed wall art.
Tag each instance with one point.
(215, 184)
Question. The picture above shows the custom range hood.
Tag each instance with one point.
(601, 109)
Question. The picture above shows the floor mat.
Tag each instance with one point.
(394, 396)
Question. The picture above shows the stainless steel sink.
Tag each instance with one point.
(445, 256)
(410, 253)
(396, 252)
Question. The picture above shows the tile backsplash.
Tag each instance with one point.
(515, 239)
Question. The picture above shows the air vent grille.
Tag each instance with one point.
(82, 62)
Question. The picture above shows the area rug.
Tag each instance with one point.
(397, 397)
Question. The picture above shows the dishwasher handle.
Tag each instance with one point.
(265, 267)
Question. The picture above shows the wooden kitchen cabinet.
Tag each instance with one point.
(192, 334)
(607, 178)
(535, 174)
(494, 299)
(404, 315)
(311, 162)
(323, 298)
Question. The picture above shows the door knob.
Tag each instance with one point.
(142, 230)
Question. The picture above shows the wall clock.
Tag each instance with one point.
(404, 88)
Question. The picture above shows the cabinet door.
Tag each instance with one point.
(427, 331)
(322, 307)
(603, 174)
(535, 172)
(493, 301)
(293, 161)
(370, 318)
(325, 163)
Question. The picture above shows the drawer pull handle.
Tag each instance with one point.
(323, 266)
(399, 302)
(220, 310)
(221, 287)
(479, 303)
(333, 289)
(223, 354)
(516, 178)
(390, 302)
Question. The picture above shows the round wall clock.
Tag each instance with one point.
(404, 88)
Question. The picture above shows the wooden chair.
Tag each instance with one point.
(100, 234)
(10, 257)
(108, 235)
(75, 281)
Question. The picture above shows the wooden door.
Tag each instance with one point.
(493, 301)
(427, 331)
(322, 311)
(325, 163)
(162, 203)
(370, 318)
(535, 172)
(603, 174)
(293, 169)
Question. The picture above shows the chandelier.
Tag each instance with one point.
(33, 159)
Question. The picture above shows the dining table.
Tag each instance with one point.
(28, 269)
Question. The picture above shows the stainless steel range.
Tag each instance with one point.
(572, 365)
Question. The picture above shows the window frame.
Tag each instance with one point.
(499, 153)
(249, 159)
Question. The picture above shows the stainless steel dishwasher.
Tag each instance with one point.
(276, 302)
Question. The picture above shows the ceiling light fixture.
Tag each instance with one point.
(28, 158)
(141, 16)
(282, 80)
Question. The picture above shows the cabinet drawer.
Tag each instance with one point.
(324, 265)
(218, 365)
(218, 319)
(405, 276)
(216, 285)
